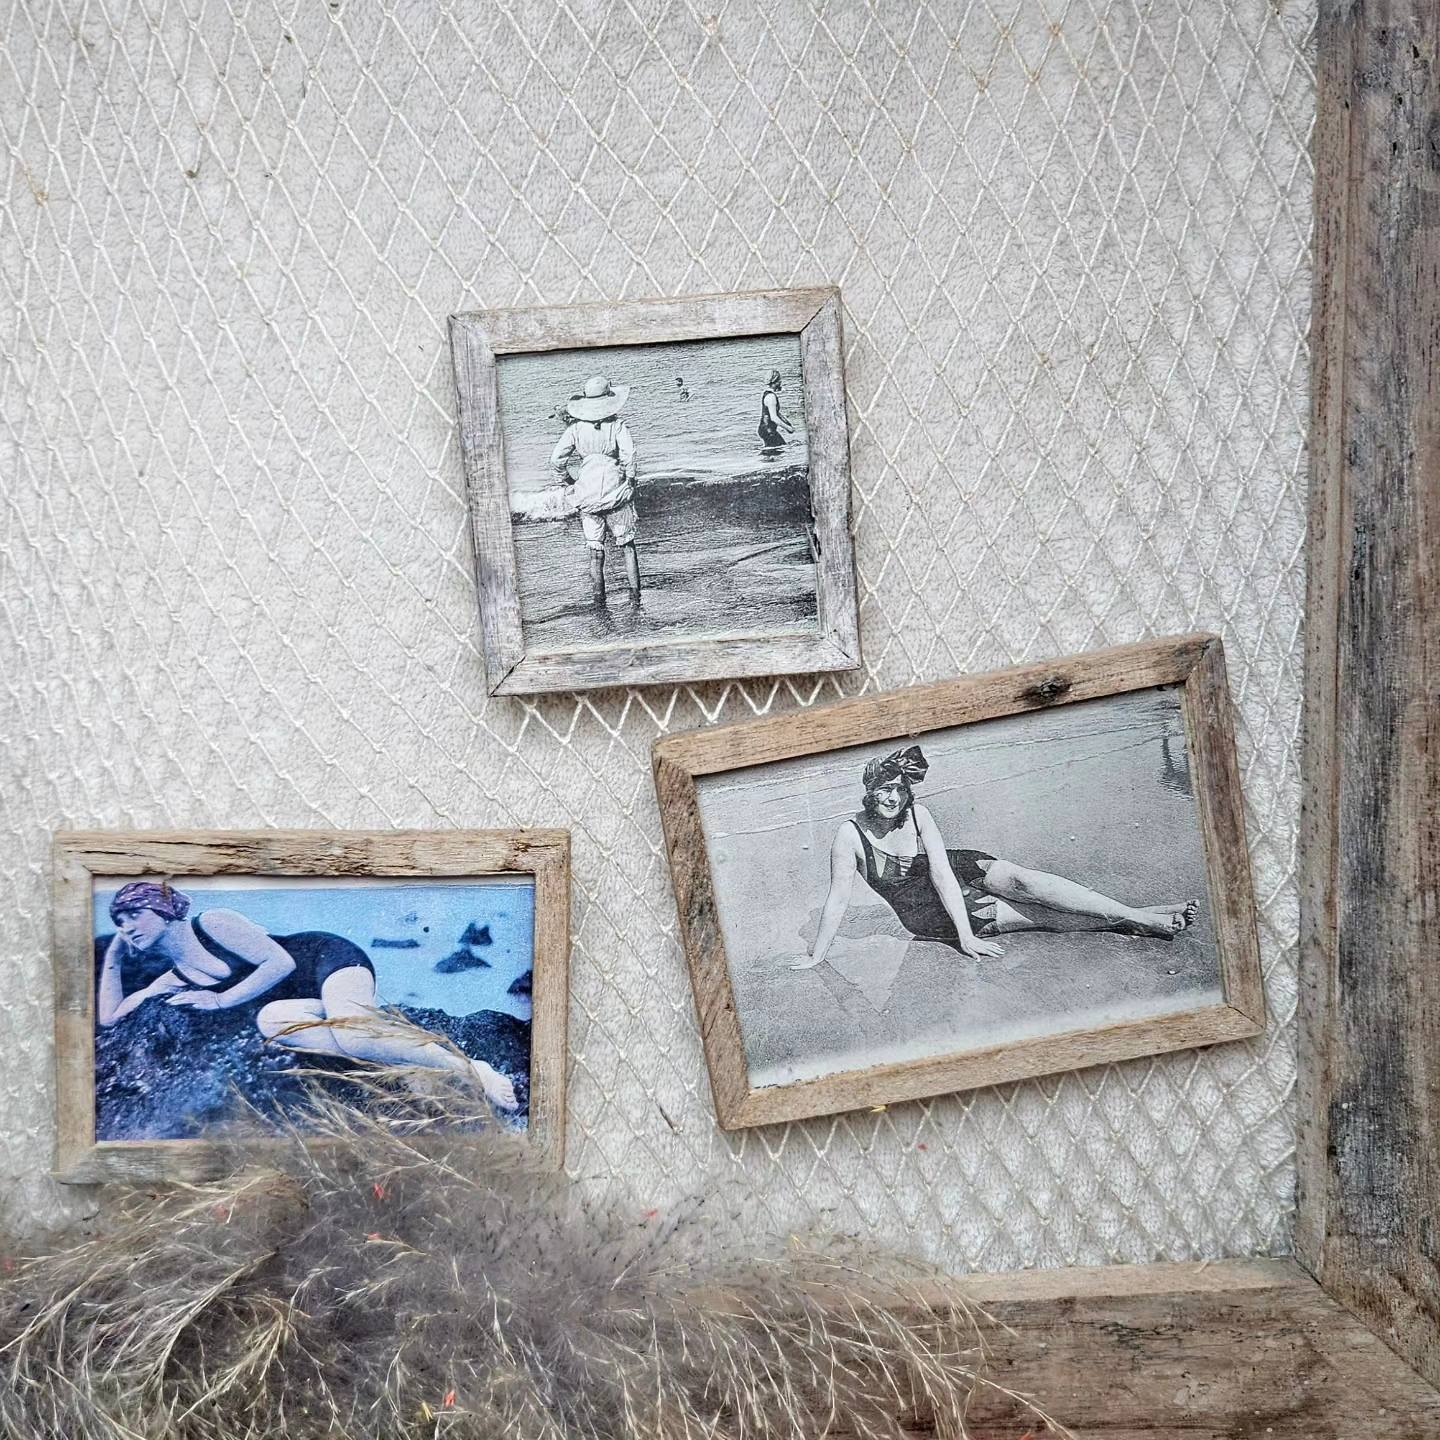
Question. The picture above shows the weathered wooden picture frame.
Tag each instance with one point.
(517, 664)
(174, 859)
(1194, 665)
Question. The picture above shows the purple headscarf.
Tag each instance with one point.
(163, 899)
(908, 764)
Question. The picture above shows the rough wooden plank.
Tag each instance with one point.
(704, 948)
(1254, 1352)
(995, 1065)
(1225, 1350)
(1370, 870)
(737, 658)
(652, 321)
(550, 998)
(821, 360)
(921, 708)
(482, 451)
(1210, 728)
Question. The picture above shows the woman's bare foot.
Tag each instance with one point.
(1180, 917)
(499, 1089)
(1158, 924)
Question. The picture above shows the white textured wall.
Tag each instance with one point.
(1072, 240)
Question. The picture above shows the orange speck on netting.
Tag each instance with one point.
(374, 1235)
(923, 1146)
(650, 1214)
(379, 1190)
(449, 1400)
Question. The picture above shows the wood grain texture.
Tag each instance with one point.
(80, 856)
(821, 349)
(1195, 662)
(1235, 1351)
(511, 669)
(922, 708)
(1210, 729)
(651, 322)
(1369, 1155)
(482, 452)
(1224, 1350)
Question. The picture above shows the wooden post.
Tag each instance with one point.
(1369, 1217)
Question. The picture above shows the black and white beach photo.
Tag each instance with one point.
(659, 491)
(1023, 877)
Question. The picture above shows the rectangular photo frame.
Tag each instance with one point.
(758, 576)
(390, 903)
(1158, 773)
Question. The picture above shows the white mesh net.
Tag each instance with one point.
(1072, 240)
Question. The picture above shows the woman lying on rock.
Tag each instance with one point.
(313, 991)
(959, 897)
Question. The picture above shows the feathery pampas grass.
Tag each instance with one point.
(414, 1275)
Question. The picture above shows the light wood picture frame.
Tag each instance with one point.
(266, 873)
(725, 636)
(1228, 1007)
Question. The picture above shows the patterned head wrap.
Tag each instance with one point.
(908, 764)
(163, 899)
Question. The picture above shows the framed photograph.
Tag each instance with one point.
(660, 490)
(197, 974)
(965, 883)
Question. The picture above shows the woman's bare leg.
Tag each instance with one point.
(363, 1032)
(632, 569)
(278, 1020)
(1025, 888)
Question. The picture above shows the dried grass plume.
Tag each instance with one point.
(416, 1276)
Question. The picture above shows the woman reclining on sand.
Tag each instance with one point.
(958, 896)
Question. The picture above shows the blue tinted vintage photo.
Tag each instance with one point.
(214, 993)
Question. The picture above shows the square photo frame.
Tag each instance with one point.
(1081, 819)
(659, 490)
(195, 971)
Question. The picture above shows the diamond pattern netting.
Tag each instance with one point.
(1072, 240)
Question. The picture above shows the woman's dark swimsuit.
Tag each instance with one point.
(906, 886)
(317, 955)
(770, 435)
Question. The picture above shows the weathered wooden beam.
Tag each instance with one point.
(1370, 845)
(1248, 1350)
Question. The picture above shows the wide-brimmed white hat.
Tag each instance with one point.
(599, 400)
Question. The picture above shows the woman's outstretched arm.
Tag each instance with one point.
(248, 941)
(947, 887)
(843, 859)
(111, 1001)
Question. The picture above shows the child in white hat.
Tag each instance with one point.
(604, 493)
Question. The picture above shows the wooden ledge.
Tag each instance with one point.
(1234, 1350)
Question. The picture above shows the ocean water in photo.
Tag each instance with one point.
(409, 930)
(724, 522)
